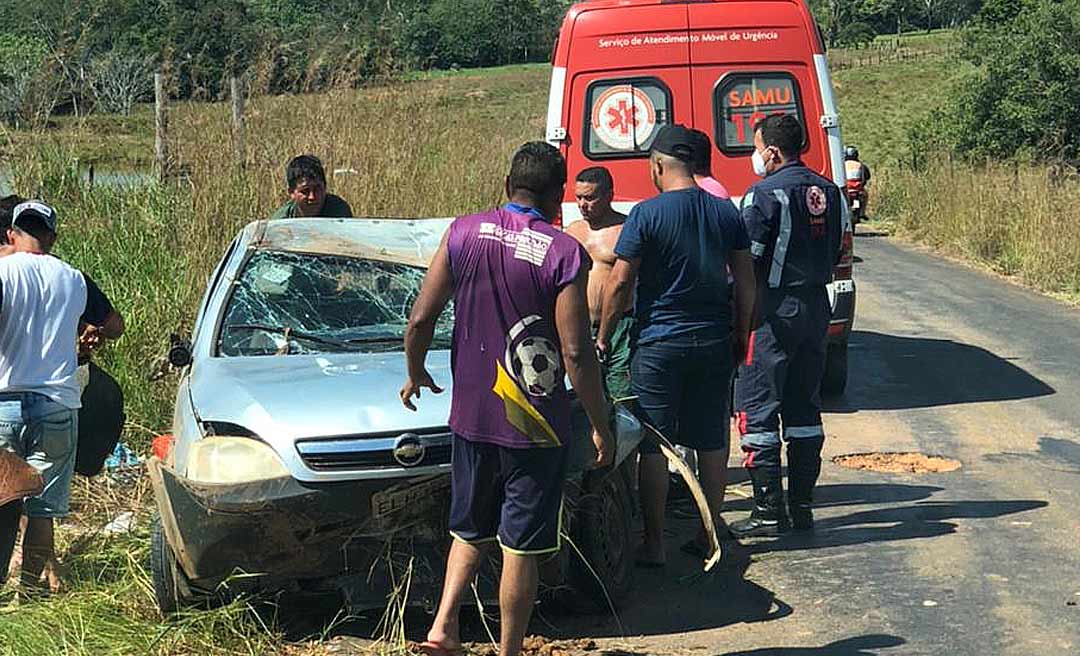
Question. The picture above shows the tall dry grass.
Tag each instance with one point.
(1019, 219)
(438, 147)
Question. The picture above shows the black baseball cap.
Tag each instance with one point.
(677, 141)
(34, 209)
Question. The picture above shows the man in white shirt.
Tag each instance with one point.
(43, 302)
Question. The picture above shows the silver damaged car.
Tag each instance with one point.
(293, 465)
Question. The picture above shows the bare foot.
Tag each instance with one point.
(441, 648)
(51, 574)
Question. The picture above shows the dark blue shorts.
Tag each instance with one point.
(513, 496)
(683, 385)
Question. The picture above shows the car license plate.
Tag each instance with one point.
(856, 204)
(413, 498)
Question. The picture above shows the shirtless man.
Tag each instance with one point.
(598, 233)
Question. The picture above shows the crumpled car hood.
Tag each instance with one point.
(284, 398)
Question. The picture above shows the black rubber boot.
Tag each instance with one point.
(768, 516)
(804, 466)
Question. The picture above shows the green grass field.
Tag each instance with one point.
(436, 145)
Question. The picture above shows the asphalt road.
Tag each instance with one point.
(985, 560)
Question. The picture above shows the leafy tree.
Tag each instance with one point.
(1024, 97)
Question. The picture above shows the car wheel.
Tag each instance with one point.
(602, 532)
(164, 570)
(835, 379)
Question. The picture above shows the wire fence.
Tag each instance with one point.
(885, 53)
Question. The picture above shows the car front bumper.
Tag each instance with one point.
(281, 529)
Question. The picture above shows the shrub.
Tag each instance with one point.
(1023, 99)
(856, 34)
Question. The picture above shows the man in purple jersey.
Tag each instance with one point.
(520, 321)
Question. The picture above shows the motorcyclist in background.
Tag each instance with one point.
(857, 176)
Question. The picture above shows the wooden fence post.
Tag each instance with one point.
(237, 91)
(161, 121)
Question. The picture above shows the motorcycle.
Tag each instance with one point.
(856, 197)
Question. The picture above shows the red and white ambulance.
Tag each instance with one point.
(623, 68)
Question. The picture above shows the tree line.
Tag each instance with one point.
(857, 22)
(82, 55)
(76, 54)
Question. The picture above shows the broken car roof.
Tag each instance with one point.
(405, 241)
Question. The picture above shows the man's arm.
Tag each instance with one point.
(435, 293)
(618, 290)
(99, 319)
(742, 270)
(579, 358)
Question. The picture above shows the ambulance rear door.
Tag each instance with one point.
(628, 75)
(749, 60)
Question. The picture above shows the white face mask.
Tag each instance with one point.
(759, 164)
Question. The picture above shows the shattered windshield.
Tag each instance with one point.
(293, 303)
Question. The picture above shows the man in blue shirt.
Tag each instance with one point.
(675, 251)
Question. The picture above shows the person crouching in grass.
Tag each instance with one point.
(306, 181)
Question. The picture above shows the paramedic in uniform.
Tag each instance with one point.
(793, 218)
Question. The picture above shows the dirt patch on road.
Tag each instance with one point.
(898, 463)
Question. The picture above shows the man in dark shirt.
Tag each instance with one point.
(306, 180)
(677, 248)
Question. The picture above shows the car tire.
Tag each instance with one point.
(164, 571)
(834, 381)
(601, 530)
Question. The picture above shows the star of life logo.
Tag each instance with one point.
(816, 200)
(529, 246)
(623, 117)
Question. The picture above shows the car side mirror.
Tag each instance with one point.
(179, 351)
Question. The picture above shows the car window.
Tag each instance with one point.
(290, 303)
(742, 100)
(624, 115)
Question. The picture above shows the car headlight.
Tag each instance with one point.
(224, 460)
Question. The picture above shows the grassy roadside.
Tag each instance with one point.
(1014, 218)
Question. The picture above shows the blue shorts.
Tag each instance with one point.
(513, 496)
(41, 432)
(683, 385)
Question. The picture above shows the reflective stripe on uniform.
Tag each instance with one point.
(746, 200)
(776, 273)
(765, 440)
(803, 432)
(757, 249)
